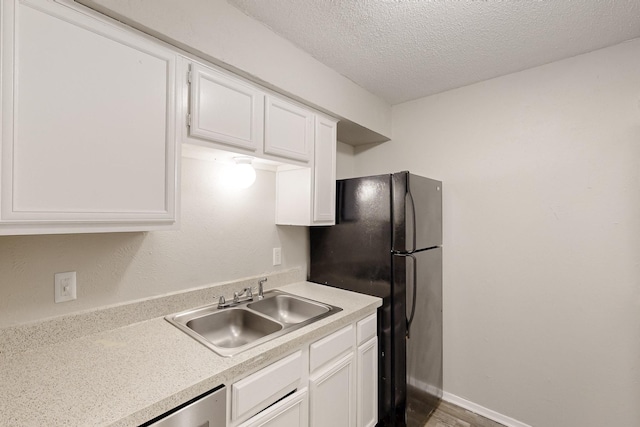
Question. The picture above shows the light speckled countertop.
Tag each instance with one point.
(130, 374)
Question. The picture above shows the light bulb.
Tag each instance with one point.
(243, 173)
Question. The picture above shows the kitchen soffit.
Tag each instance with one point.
(406, 49)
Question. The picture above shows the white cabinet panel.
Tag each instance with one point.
(88, 124)
(290, 412)
(342, 384)
(288, 129)
(293, 190)
(367, 384)
(330, 347)
(324, 184)
(307, 196)
(367, 328)
(254, 393)
(332, 395)
(224, 109)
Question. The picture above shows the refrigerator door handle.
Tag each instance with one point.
(409, 318)
(408, 200)
(413, 217)
(415, 290)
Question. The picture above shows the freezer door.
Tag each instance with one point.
(424, 342)
(354, 254)
(417, 212)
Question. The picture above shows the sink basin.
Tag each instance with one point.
(289, 309)
(231, 330)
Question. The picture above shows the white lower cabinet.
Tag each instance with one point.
(367, 375)
(332, 395)
(289, 412)
(331, 382)
(367, 384)
(265, 387)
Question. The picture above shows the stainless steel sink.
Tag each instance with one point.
(288, 309)
(229, 331)
(233, 327)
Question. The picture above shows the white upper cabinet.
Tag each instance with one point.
(307, 195)
(88, 124)
(231, 114)
(288, 129)
(324, 181)
(224, 109)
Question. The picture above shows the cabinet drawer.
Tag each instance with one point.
(290, 412)
(330, 347)
(261, 389)
(367, 329)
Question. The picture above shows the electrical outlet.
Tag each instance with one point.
(65, 286)
(277, 256)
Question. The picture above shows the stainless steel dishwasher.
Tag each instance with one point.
(206, 410)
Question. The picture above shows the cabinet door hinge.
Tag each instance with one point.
(189, 76)
(189, 119)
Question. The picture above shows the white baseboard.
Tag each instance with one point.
(481, 410)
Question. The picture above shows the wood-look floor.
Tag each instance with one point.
(448, 415)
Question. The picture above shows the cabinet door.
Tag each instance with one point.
(332, 395)
(224, 109)
(88, 121)
(367, 384)
(288, 129)
(324, 183)
(290, 412)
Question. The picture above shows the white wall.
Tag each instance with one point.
(225, 234)
(345, 161)
(541, 174)
(217, 31)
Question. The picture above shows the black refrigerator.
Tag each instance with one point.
(387, 242)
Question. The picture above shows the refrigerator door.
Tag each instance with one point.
(424, 343)
(417, 212)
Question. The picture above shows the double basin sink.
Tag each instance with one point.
(231, 330)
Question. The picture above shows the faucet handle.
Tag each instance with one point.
(222, 302)
(249, 292)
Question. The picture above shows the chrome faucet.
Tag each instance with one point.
(247, 291)
(261, 287)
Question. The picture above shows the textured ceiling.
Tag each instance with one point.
(407, 49)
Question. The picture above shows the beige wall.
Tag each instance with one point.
(217, 31)
(225, 234)
(541, 174)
